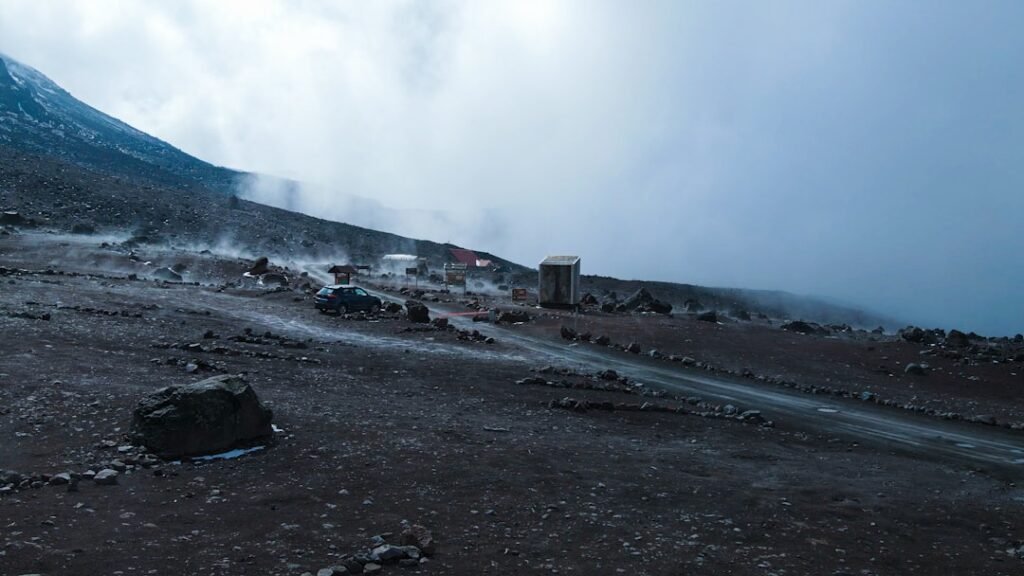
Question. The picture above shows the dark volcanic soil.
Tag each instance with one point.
(381, 425)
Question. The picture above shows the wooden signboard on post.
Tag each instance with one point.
(519, 294)
(342, 274)
(455, 275)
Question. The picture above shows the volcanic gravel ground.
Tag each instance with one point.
(381, 425)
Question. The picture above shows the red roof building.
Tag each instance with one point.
(463, 256)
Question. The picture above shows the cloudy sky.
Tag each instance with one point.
(871, 152)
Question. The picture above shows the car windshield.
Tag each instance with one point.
(324, 291)
(360, 292)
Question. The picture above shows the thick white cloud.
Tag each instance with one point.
(865, 151)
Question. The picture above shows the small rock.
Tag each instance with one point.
(420, 537)
(388, 553)
(105, 477)
(916, 369)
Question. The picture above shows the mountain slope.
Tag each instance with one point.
(64, 163)
(37, 115)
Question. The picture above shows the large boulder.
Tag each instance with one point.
(417, 312)
(514, 316)
(205, 417)
(804, 327)
(918, 335)
(644, 301)
(638, 299)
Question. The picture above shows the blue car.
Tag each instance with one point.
(344, 299)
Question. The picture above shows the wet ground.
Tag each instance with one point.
(381, 425)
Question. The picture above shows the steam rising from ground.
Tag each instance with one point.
(862, 151)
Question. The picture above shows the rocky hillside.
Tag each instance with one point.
(52, 193)
(37, 115)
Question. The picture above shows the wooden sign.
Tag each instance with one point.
(455, 277)
(519, 294)
(412, 271)
(341, 278)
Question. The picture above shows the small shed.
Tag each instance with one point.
(559, 279)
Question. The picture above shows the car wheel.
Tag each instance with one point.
(375, 308)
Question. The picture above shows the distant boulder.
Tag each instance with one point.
(588, 299)
(710, 316)
(740, 314)
(206, 417)
(260, 266)
(167, 275)
(804, 327)
(639, 298)
(957, 339)
(273, 279)
(417, 312)
(917, 335)
(693, 305)
(657, 306)
(12, 218)
(513, 316)
(83, 228)
(644, 301)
